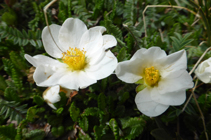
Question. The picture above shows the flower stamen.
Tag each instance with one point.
(75, 58)
(151, 76)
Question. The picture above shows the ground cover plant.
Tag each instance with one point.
(148, 80)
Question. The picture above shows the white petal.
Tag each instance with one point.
(109, 41)
(147, 106)
(76, 79)
(129, 71)
(92, 43)
(171, 83)
(51, 95)
(149, 55)
(203, 71)
(175, 98)
(42, 60)
(71, 32)
(173, 62)
(52, 106)
(104, 68)
(50, 47)
(46, 76)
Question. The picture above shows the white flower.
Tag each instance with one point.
(51, 96)
(203, 71)
(82, 61)
(165, 78)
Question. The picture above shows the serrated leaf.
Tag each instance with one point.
(98, 132)
(92, 111)
(74, 112)
(38, 100)
(122, 54)
(8, 131)
(114, 127)
(133, 127)
(101, 101)
(84, 123)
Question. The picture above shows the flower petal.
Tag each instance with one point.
(128, 71)
(148, 106)
(109, 41)
(46, 76)
(173, 62)
(92, 43)
(173, 83)
(104, 68)
(71, 32)
(42, 60)
(50, 47)
(51, 95)
(76, 79)
(175, 98)
(149, 56)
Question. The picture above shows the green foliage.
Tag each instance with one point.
(8, 132)
(180, 42)
(32, 113)
(74, 112)
(123, 55)
(36, 134)
(114, 127)
(21, 38)
(12, 110)
(38, 100)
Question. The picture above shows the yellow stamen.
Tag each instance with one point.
(151, 76)
(75, 58)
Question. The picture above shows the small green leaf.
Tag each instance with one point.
(84, 123)
(101, 101)
(122, 54)
(38, 100)
(114, 127)
(74, 112)
(140, 88)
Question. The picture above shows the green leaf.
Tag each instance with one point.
(160, 134)
(11, 94)
(74, 112)
(32, 113)
(84, 137)
(98, 132)
(92, 111)
(84, 123)
(9, 17)
(114, 127)
(12, 110)
(3, 84)
(8, 131)
(38, 100)
(140, 88)
(122, 55)
(37, 134)
(133, 127)
(101, 101)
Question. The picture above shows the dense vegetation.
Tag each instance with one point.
(105, 110)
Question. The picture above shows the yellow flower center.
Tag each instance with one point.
(151, 76)
(75, 58)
